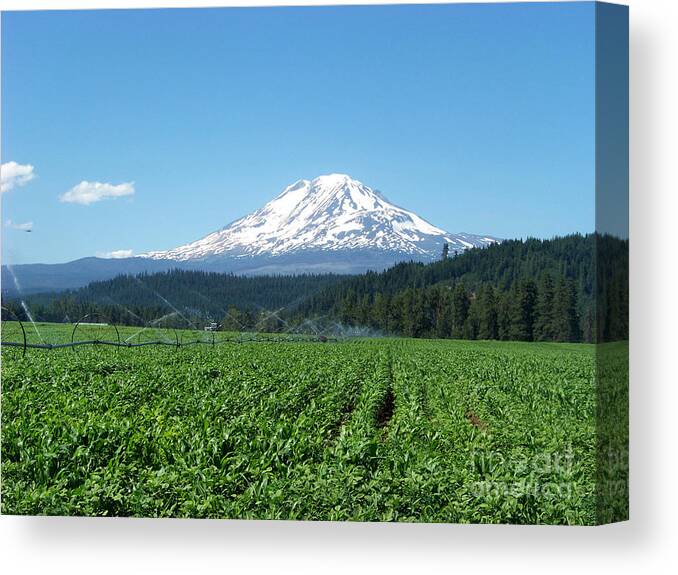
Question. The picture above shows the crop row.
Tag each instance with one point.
(406, 430)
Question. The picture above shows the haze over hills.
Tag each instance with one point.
(331, 224)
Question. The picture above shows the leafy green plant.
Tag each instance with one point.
(365, 430)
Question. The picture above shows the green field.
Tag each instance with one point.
(365, 430)
(41, 333)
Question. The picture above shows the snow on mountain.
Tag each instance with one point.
(328, 214)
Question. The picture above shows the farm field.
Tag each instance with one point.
(363, 430)
(45, 334)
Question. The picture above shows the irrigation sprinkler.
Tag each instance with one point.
(152, 335)
(13, 333)
(89, 327)
(193, 337)
(92, 330)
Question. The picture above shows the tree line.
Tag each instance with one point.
(529, 311)
(188, 297)
(572, 288)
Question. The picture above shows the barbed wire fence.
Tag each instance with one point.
(92, 330)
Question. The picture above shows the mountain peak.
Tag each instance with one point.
(335, 176)
(333, 180)
(325, 181)
(330, 213)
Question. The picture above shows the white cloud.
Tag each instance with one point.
(116, 254)
(13, 175)
(25, 227)
(86, 193)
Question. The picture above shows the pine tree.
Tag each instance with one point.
(444, 319)
(364, 310)
(488, 327)
(504, 306)
(522, 313)
(566, 323)
(543, 322)
(380, 311)
(446, 250)
(460, 305)
(406, 309)
(418, 313)
(398, 308)
(472, 323)
(589, 324)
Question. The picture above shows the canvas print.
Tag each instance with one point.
(345, 263)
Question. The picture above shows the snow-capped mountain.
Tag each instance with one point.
(330, 224)
(331, 214)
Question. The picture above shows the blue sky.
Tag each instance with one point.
(480, 118)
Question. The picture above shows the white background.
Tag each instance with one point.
(647, 543)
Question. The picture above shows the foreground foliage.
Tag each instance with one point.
(404, 430)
